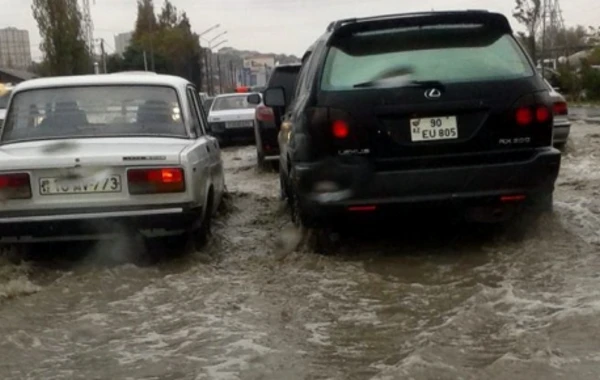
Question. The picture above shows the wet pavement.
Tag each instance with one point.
(453, 304)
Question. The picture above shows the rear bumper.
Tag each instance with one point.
(561, 133)
(245, 133)
(92, 223)
(461, 184)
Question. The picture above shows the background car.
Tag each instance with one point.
(367, 136)
(231, 117)
(562, 124)
(207, 103)
(92, 156)
(268, 120)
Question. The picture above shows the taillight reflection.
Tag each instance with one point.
(155, 180)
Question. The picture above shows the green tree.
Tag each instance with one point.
(529, 14)
(63, 43)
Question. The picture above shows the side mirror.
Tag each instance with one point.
(254, 99)
(275, 97)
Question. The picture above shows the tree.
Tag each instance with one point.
(529, 14)
(63, 43)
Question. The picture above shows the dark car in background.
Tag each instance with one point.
(268, 120)
(433, 110)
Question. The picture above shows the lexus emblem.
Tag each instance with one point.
(433, 93)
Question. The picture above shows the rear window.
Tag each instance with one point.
(457, 53)
(227, 103)
(285, 78)
(98, 111)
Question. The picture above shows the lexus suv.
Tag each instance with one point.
(419, 109)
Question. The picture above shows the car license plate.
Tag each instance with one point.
(434, 128)
(54, 186)
(240, 124)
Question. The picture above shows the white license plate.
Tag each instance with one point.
(239, 124)
(434, 128)
(54, 186)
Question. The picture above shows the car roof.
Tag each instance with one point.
(103, 79)
(469, 15)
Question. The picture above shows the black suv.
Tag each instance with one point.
(436, 108)
(268, 120)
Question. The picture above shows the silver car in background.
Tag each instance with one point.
(89, 157)
(562, 124)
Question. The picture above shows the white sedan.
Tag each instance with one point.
(232, 117)
(90, 156)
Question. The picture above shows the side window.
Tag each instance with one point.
(196, 120)
(300, 85)
(201, 112)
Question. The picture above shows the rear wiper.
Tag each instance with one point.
(408, 83)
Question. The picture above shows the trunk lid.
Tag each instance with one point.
(85, 172)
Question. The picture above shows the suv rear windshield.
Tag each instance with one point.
(286, 78)
(448, 53)
(98, 111)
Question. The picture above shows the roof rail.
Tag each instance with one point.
(339, 23)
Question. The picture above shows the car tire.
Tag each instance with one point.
(275, 165)
(201, 235)
(542, 203)
(283, 192)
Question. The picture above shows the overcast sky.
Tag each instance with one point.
(282, 26)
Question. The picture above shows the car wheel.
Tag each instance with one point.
(560, 146)
(283, 193)
(543, 203)
(275, 165)
(201, 235)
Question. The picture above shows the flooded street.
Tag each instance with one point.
(463, 306)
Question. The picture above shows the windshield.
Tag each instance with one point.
(225, 103)
(98, 111)
(4, 99)
(445, 54)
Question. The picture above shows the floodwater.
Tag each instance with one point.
(453, 305)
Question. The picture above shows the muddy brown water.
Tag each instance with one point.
(456, 306)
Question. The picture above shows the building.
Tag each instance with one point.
(256, 70)
(122, 42)
(15, 48)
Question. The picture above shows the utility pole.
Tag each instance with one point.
(232, 74)
(219, 71)
(103, 56)
(552, 24)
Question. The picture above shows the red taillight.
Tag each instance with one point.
(15, 186)
(340, 129)
(524, 116)
(152, 181)
(560, 108)
(512, 198)
(542, 114)
(362, 208)
(264, 113)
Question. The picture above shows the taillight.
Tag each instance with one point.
(542, 114)
(264, 113)
(15, 186)
(340, 129)
(524, 116)
(560, 108)
(155, 180)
